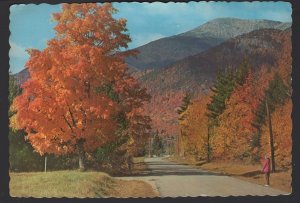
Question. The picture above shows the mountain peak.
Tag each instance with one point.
(232, 19)
(225, 28)
(165, 51)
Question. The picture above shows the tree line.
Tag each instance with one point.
(246, 114)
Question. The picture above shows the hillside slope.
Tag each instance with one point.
(165, 51)
(195, 74)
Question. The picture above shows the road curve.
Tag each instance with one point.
(177, 180)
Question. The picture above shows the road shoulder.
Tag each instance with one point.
(280, 180)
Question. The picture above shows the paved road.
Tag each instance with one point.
(176, 180)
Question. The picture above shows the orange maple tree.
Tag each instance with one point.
(79, 86)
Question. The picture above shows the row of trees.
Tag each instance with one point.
(79, 98)
(246, 114)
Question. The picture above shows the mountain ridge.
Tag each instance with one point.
(165, 51)
(183, 45)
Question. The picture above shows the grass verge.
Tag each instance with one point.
(75, 184)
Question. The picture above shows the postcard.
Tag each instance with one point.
(186, 99)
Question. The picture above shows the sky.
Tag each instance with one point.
(31, 25)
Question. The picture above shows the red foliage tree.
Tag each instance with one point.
(79, 85)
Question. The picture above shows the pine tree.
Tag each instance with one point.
(186, 101)
(157, 145)
(222, 89)
(276, 94)
(242, 72)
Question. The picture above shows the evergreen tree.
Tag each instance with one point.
(241, 72)
(157, 145)
(186, 101)
(276, 94)
(222, 89)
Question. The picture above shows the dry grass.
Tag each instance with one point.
(59, 184)
(280, 180)
(132, 188)
(75, 184)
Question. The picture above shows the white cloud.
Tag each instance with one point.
(17, 51)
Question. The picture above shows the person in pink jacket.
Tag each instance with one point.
(267, 169)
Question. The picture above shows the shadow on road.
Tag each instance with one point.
(160, 168)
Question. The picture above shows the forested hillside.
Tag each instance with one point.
(196, 74)
(231, 122)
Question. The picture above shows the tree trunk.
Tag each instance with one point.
(45, 168)
(81, 156)
(271, 138)
(180, 144)
(225, 145)
(177, 145)
(150, 147)
(208, 145)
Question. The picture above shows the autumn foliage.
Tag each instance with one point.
(79, 96)
(282, 130)
(234, 132)
(194, 129)
(233, 136)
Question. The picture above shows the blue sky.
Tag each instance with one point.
(31, 25)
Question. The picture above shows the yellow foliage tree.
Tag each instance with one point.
(194, 129)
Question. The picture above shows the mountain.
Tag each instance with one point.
(195, 74)
(21, 76)
(165, 51)
(260, 47)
